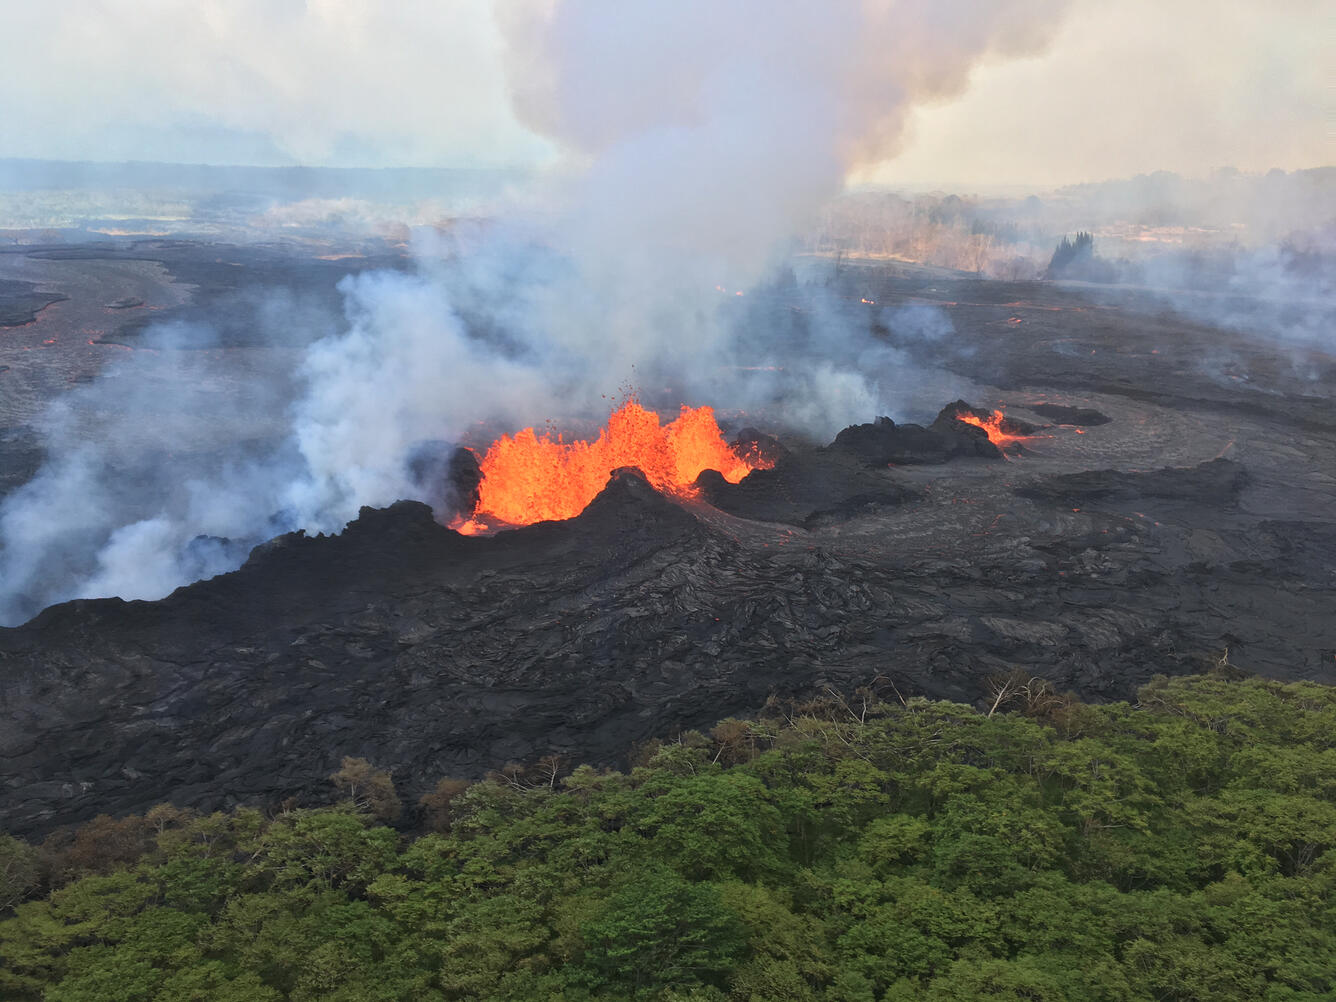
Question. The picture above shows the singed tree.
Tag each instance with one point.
(1071, 256)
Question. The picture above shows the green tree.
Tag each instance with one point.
(19, 871)
(660, 930)
(714, 826)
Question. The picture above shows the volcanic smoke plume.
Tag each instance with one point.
(701, 136)
(696, 138)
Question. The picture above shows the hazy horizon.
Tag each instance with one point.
(910, 184)
(1098, 92)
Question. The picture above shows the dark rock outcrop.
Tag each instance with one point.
(885, 443)
(805, 489)
(1060, 414)
(447, 477)
(21, 302)
(948, 421)
(1213, 484)
(758, 448)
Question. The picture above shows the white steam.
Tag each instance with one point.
(711, 133)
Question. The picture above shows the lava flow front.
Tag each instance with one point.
(531, 478)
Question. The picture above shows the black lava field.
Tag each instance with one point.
(1169, 502)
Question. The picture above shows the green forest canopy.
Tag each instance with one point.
(1178, 849)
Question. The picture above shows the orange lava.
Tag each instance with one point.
(993, 426)
(531, 478)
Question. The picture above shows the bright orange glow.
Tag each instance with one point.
(531, 478)
(993, 426)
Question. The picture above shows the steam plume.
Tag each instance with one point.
(709, 133)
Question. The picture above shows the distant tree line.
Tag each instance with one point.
(949, 232)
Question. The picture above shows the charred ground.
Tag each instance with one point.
(1160, 512)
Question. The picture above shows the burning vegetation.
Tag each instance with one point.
(531, 478)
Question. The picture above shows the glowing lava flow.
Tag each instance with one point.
(529, 478)
(994, 425)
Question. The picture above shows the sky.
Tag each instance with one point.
(1122, 88)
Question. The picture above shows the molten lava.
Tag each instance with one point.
(531, 478)
(996, 427)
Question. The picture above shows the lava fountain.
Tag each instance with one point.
(1001, 430)
(530, 478)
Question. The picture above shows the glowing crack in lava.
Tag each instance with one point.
(531, 478)
(995, 425)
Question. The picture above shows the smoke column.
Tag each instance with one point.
(702, 135)
(697, 138)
